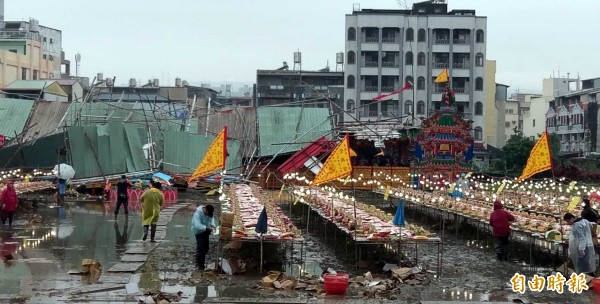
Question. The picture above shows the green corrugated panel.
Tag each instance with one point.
(28, 85)
(184, 151)
(277, 127)
(117, 147)
(29, 156)
(135, 145)
(13, 115)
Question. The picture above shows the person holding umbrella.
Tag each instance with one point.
(202, 227)
(151, 200)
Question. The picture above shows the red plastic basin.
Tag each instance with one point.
(596, 285)
(336, 284)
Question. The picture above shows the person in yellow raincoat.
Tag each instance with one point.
(152, 199)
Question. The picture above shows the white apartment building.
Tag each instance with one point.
(387, 48)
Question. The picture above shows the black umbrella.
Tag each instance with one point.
(262, 227)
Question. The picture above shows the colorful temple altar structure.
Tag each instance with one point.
(443, 148)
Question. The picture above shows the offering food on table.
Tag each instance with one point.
(247, 203)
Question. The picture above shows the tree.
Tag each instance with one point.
(555, 148)
(516, 152)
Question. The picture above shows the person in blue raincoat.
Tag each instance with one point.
(581, 248)
(203, 224)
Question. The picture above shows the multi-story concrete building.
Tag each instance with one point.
(534, 119)
(511, 118)
(49, 39)
(387, 48)
(300, 88)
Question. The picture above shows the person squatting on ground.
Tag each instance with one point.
(122, 198)
(152, 199)
(581, 248)
(8, 203)
(202, 227)
(500, 221)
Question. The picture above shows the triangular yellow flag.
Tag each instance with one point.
(539, 159)
(214, 158)
(442, 77)
(337, 165)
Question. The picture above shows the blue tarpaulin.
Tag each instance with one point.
(261, 224)
(399, 216)
(162, 177)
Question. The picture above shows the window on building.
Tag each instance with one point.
(410, 34)
(350, 82)
(479, 38)
(44, 56)
(421, 59)
(507, 124)
(479, 60)
(350, 105)
(35, 75)
(23, 74)
(408, 58)
(534, 123)
(44, 39)
(421, 83)
(351, 34)
(409, 79)
(408, 107)
(51, 40)
(479, 84)
(460, 108)
(421, 35)
(421, 107)
(351, 57)
(13, 51)
(478, 108)
(478, 133)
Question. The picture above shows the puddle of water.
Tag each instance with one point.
(45, 252)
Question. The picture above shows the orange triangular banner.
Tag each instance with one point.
(337, 165)
(214, 158)
(540, 158)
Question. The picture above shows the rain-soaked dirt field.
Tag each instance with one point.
(47, 251)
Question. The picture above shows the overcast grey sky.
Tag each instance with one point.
(225, 40)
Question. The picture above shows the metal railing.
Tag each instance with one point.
(461, 65)
(20, 35)
(462, 40)
(370, 64)
(440, 65)
(371, 39)
(441, 41)
(391, 39)
(388, 88)
(392, 64)
(370, 89)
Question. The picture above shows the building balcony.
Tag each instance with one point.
(367, 113)
(388, 88)
(440, 65)
(390, 64)
(370, 88)
(372, 39)
(462, 40)
(441, 41)
(461, 65)
(461, 90)
(370, 64)
(388, 39)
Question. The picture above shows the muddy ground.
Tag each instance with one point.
(470, 273)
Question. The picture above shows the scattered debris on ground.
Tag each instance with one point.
(90, 267)
(160, 298)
